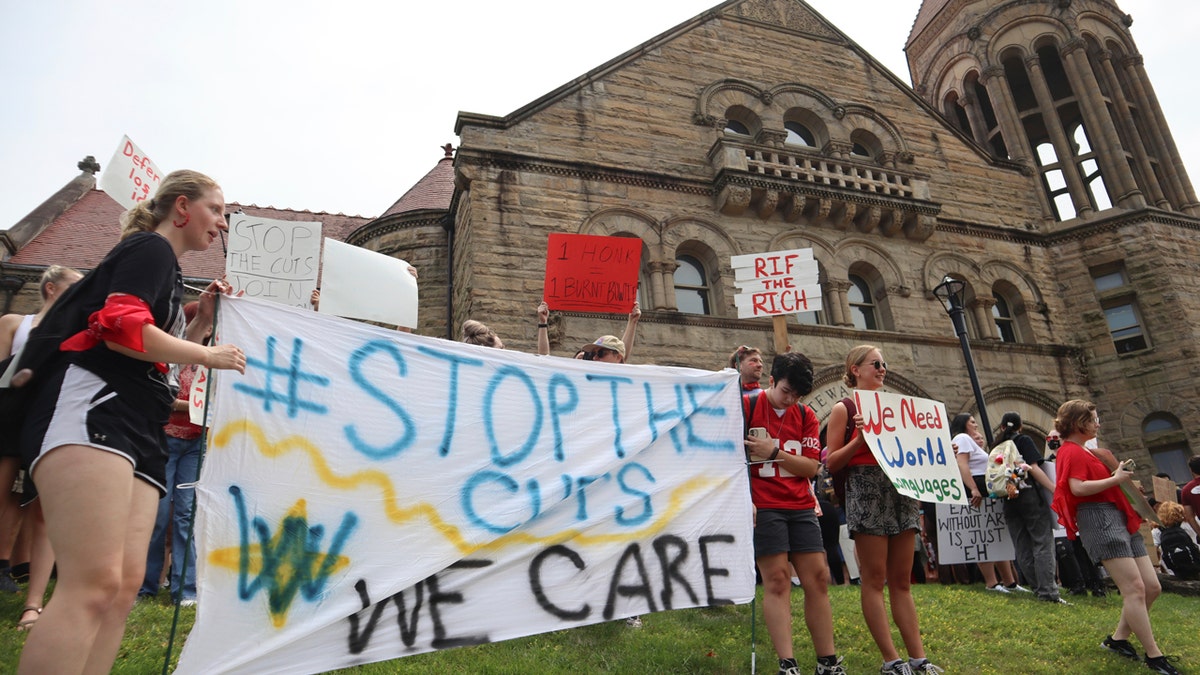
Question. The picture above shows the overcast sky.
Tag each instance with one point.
(341, 107)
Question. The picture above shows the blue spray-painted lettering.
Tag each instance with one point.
(613, 381)
(295, 375)
(452, 390)
(559, 381)
(677, 415)
(489, 422)
(356, 366)
(294, 563)
(693, 439)
(623, 482)
(582, 482)
(481, 479)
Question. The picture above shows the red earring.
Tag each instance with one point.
(186, 220)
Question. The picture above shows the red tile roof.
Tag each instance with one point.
(81, 236)
(434, 191)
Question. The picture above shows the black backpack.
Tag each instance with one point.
(1179, 553)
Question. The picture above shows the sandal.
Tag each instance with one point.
(27, 624)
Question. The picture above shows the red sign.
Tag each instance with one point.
(592, 274)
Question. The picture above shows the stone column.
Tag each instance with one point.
(1101, 131)
(1013, 132)
(1169, 160)
(979, 128)
(981, 307)
(1149, 182)
(668, 281)
(658, 270)
(1058, 138)
(839, 303)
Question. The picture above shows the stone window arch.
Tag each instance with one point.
(865, 145)
(1166, 441)
(1009, 313)
(742, 121)
(863, 311)
(805, 128)
(692, 286)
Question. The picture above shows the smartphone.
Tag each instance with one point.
(759, 432)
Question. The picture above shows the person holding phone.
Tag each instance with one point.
(785, 454)
(1091, 505)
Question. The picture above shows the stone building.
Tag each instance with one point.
(1030, 160)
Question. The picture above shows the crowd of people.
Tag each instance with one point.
(109, 454)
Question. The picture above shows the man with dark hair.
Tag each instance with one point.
(784, 454)
(749, 364)
(1189, 496)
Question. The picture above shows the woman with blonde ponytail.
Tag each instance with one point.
(93, 437)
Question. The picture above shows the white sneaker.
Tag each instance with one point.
(1019, 588)
(634, 622)
(187, 602)
(999, 588)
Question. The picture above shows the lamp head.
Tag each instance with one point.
(951, 292)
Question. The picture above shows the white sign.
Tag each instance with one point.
(197, 396)
(275, 260)
(973, 535)
(368, 494)
(780, 282)
(130, 175)
(361, 284)
(910, 438)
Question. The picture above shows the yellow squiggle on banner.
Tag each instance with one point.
(399, 514)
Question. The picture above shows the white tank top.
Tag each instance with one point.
(22, 333)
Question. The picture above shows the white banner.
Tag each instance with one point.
(910, 438)
(130, 175)
(369, 494)
(272, 259)
(967, 534)
(363, 284)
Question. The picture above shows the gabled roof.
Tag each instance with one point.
(85, 232)
(433, 192)
(928, 10)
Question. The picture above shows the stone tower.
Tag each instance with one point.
(1058, 85)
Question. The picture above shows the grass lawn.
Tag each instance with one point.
(966, 630)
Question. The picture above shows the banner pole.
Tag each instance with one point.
(779, 322)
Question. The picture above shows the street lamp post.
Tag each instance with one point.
(950, 292)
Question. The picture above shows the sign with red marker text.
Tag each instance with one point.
(780, 282)
(130, 175)
(910, 438)
(588, 273)
(198, 396)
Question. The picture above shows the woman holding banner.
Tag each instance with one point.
(882, 522)
(1091, 505)
(93, 437)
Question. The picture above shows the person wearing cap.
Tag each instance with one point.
(607, 348)
(589, 352)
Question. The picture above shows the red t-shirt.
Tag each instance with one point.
(1075, 461)
(1190, 496)
(795, 432)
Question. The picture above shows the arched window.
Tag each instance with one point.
(798, 134)
(1003, 316)
(691, 286)
(736, 127)
(862, 304)
(1165, 439)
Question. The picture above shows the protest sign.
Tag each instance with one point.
(197, 396)
(363, 284)
(130, 175)
(910, 438)
(275, 260)
(592, 274)
(967, 534)
(368, 494)
(775, 283)
(1165, 489)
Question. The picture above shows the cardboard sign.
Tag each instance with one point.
(587, 273)
(973, 535)
(130, 175)
(1165, 489)
(775, 283)
(369, 494)
(275, 260)
(910, 438)
(362, 284)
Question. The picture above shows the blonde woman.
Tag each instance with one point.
(1091, 505)
(93, 438)
(882, 522)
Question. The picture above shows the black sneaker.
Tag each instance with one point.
(1121, 647)
(1159, 664)
(7, 584)
(789, 667)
